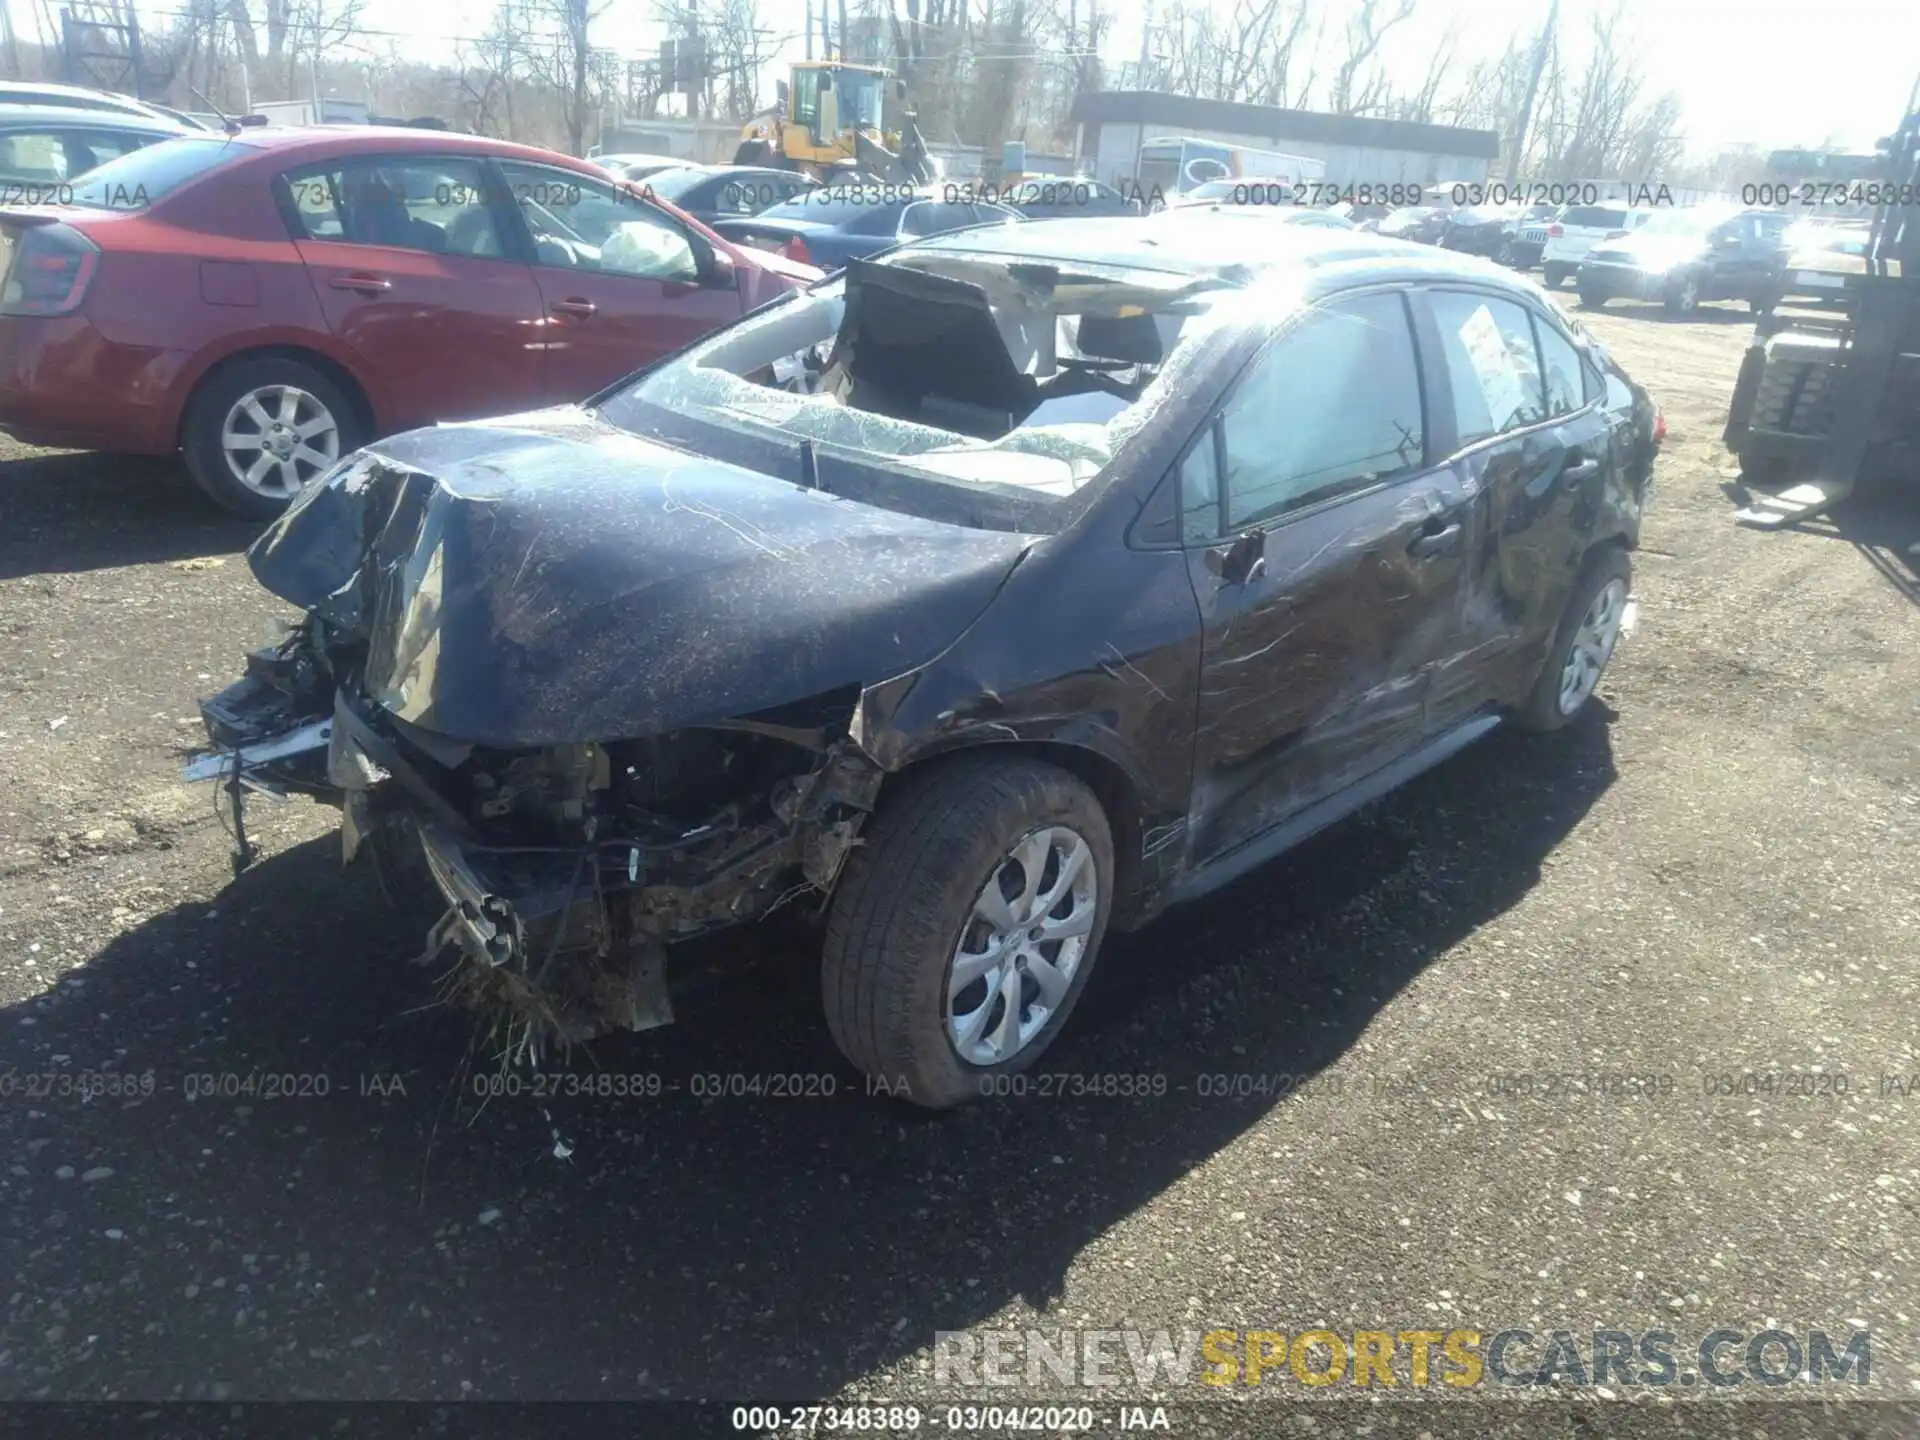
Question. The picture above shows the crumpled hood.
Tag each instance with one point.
(548, 579)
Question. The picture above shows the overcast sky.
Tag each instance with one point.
(1773, 73)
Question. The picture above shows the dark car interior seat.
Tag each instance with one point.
(925, 348)
(375, 215)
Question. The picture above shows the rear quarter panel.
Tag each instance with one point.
(208, 273)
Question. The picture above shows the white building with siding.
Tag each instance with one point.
(1357, 149)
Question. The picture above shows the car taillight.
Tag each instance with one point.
(1659, 427)
(49, 272)
(1554, 232)
(797, 250)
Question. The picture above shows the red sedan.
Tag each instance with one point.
(268, 301)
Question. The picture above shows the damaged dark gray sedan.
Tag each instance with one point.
(994, 594)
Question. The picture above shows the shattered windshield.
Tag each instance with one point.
(1013, 375)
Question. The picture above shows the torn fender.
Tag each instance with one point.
(551, 580)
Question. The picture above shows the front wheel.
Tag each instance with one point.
(1553, 276)
(965, 926)
(1592, 300)
(259, 430)
(1583, 643)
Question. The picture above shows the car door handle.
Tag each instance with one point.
(361, 284)
(579, 308)
(1585, 470)
(1429, 543)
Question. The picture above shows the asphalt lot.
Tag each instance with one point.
(1714, 876)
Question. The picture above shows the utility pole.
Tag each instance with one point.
(1146, 34)
(843, 28)
(12, 45)
(1533, 85)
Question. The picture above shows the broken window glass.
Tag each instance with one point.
(967, 366)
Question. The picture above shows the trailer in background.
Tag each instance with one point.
(1173, 165)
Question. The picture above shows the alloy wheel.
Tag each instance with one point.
(278, 437)
(1021, 944)
(1592, 646)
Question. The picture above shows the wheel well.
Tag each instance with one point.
(333, 370)
(1111, 786)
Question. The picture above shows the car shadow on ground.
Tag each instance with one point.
(397, 1235)
(75, 511)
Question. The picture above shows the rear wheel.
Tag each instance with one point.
(1682, 297)
(259, 430)
(1583, 644)
(964, 929)
(1553, 276)
(1592, 299)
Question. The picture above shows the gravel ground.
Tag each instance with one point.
(1714, 876)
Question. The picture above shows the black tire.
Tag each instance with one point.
(905, 898)
(1553, 276)
(1592, 300)
(1682, 297)
(220, 392)
(1542, 709)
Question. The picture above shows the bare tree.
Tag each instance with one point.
(1366, 28)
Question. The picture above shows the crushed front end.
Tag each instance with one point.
(564, 871)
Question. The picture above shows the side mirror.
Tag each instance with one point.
(721, 273)
(1244, 559)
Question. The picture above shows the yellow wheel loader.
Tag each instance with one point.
(829, 119)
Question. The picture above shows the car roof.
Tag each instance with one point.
(13, 114)
(393, 139)
(1201, 241)
(1203, 244)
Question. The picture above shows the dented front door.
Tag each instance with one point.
(1332, 580)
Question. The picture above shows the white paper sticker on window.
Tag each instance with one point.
(1493, 366)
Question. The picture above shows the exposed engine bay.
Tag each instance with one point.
(565, 870)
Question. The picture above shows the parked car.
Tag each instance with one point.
(1363, 215)
(712, 193)
(1515, 248)
(1228, 190)
(1824, 262)
(269, 301)
(44, 149)
(1566, 239)
(1423, 224)
(78, 97)
(984, 612)
(837, 223)
(1058, 197)
(1683, 257)
(1480, 229)
(634, 165)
